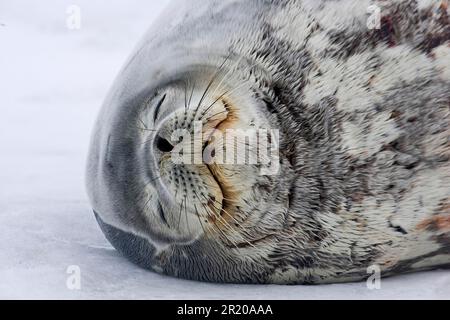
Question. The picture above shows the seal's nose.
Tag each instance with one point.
(163, 145)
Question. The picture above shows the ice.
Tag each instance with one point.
(53, 81)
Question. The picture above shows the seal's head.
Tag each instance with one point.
(190, 167)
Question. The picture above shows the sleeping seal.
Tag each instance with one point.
(357, 116)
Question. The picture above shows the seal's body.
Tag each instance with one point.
(360, 94)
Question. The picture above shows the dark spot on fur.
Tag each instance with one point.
(387, 31)
(291, 195)
(397, 228)
(270, 107)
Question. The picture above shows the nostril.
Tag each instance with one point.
(163, 145)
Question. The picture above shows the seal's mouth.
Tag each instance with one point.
(229, 198)
(226, 208)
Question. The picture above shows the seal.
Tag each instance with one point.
(350, 105)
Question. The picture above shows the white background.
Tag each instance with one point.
(52, 83)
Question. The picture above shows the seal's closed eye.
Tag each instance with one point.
(158, 108)
(161, 214)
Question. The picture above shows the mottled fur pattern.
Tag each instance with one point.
(364, 120)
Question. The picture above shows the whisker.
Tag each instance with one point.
(215, 101)
(208, 87)
(185, 214)
(181, 209)
(185, 95)
(222, 209)
(192, 93)
(224, 235)
(187, 105)
(218, 228)
(223, 79)
(220, 84)
(145, 129)
(226, 222)
(228, 73)
(140, 195)
(207, 119)
(153, 180)
(142, 122)
(199, 219)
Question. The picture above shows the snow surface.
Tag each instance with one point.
(53, 81)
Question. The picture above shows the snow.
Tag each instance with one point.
(53, 81)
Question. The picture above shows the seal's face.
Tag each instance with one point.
(196, 160)
(201, 141)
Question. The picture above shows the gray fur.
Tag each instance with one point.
(364, 120)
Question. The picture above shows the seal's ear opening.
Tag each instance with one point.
(137, 249)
